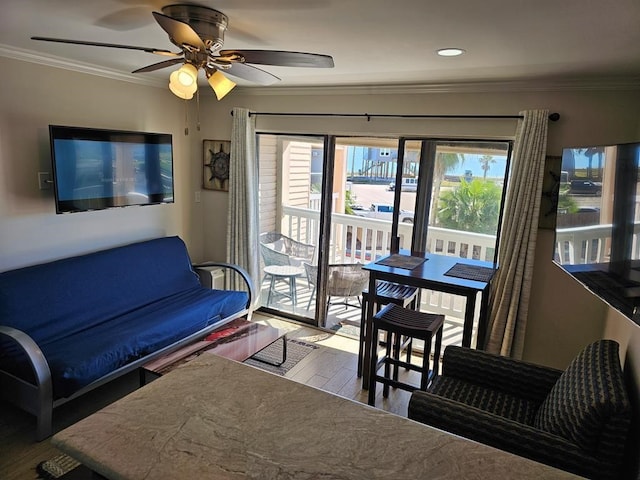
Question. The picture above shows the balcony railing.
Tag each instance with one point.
(577, 245)
(592, 244)
(361, 239)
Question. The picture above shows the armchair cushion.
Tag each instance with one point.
(495, 372)
(589, 403)
(503, 433)
(487, 399)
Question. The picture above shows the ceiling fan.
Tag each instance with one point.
(199, 33)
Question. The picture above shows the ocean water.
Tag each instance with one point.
(472, 162)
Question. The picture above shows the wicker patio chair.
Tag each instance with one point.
(278, 249)
(346, 280)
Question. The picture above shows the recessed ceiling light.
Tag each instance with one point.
(450, 52)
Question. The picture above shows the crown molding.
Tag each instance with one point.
(534, 85)
(559, 85)
(81, 67)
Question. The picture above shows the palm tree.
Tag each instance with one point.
(472, 207)
(485, 164)
(445, 162)
(590, 153)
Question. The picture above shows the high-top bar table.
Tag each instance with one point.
(214, 418)
(431, 274)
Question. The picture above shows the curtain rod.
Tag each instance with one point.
(553, 116)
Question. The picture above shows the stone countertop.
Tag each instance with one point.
(215, 418)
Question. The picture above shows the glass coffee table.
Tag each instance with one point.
(237, 340)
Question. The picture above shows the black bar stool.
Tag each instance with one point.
(397, 322)
(386, 293)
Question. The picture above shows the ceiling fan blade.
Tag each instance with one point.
(282, 58)
(179, 32)
(251, 73)
(158, 66)
(157, 51)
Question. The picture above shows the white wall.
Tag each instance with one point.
(34, 96)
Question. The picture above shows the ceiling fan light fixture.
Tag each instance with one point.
(185, 95)
(180, 90)
(199, 33)
(220, 84)
(187, 75)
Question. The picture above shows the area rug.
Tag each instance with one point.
(296, 351)
(63, 467)
(346, 329)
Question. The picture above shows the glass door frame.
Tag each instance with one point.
(324, 230)
(426, 169)
(428, 150)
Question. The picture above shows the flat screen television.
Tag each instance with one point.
(95, 169)
(598, 222)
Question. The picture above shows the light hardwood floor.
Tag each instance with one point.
(332, 368)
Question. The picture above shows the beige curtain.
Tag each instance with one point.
(511, 287)
(242, 222)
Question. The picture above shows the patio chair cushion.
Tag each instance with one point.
(347, 280)
(588, 404)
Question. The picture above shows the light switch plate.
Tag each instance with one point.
(44, 180)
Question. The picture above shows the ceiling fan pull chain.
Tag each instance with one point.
(186, 118)
(198, 109)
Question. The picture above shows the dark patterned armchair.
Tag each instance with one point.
(577, 420)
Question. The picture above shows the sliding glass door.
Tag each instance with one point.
(363, 170)
(459, 199)
(317, 224)
(290, 199)
(331, 204)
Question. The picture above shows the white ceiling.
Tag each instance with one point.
(373, 42)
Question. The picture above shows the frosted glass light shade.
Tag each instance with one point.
(220, 84)
(187, 75)
(179, 89)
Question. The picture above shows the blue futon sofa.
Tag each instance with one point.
(71, 325)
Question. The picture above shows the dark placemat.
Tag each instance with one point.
(470, 272)
(401, 261)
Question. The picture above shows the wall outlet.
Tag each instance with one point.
(44, 181)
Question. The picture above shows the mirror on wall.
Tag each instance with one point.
(598, 220)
